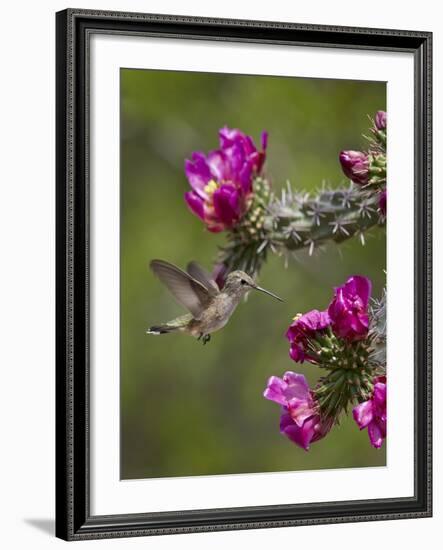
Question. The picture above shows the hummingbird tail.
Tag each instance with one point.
(178, 324)
(161, 329)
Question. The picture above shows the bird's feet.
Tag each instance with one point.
(204, 338)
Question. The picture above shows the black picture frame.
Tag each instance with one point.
(74, 521)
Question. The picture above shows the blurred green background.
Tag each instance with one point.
(187, 409)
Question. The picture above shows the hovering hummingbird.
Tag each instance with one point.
(210, 308)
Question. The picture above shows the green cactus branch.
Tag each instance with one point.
(296, 221)
(377, 334)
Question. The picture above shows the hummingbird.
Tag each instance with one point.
(209, 306)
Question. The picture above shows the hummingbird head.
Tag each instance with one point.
(239, 283)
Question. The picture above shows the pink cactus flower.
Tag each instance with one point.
(371, 414)
(300, 420)
(221, 181)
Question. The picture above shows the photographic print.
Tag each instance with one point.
(252, 274)
(227, 250)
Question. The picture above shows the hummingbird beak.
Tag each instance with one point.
(267, 292)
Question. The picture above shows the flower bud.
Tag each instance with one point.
(355, 165)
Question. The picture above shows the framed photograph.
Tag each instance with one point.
(243, 279)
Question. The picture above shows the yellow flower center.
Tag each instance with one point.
(210, 187)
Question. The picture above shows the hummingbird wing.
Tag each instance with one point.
(202, 276)
(189, 292)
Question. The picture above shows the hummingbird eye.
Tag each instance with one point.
(243, 282)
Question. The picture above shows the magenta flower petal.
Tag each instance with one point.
(310, 321)
(380, 394)
(300, 436)
(230, 138)
(236, 156)
(244, 178)
(315, 320)
(309, 431)
(297, 352)
(195, 203)
(363, 414)
(229, 135)
(355, 165)
(360, 287)
(283, 390)
(300, 410)
(227, 204)
(371, 414)
(219, 165)
(275, 390)
(291, 430)
(214, 227)
(302, 329)
(297, 385)
(380, 120)
(241, 167)
(248, 145)
(285, 420)
(381, 423)
(375, 435)
(379, 401)
(198, 173)
(348, 309)
(312, 430)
